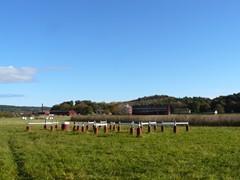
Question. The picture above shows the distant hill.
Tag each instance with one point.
(21, 109)
(223, 104)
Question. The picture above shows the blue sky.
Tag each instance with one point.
(116, 50)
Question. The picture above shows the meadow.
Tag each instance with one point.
(203, 153)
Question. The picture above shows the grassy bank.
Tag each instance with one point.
(196, 120)
(202, 153)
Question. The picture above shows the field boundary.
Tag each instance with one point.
(193, 119)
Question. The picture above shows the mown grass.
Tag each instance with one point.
(193, 119)
(202, 153)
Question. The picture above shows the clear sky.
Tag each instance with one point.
(115, 50)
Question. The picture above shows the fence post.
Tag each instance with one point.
(78, 127)
(74, 126)
(83, 127)
(65, 126)
(96, 130)
(175, 129)
(187, 128)
(149, 128)
(52, 128)
(119, 126)
(139, 130)
(29, 128)
(132, 129)
(162, 128)
(155, 127)
(45, 125)
(105, 129)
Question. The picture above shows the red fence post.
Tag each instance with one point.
(78, 127)
(83, 128)
(74, 126)
(119, 128)
(132, 130)
(65, 126)
(139, 130)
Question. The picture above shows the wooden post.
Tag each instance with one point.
(74, 126)
(65, 126)
(139, 131)
(45, 125)
(187, 128)
(52, 128)
(105, 129)
(162, 128)
(96, 130)
(78, 127)
(29, 128)
(149, 128)
(132, 130)
(119, 128)
(83, 128)
(175, 129)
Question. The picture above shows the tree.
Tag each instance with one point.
(219, 108)
(83, 109)
(205, 106)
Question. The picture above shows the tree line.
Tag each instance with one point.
(17, 111)
(223, 104)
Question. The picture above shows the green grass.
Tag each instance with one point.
(202, 153)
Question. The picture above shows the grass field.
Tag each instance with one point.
(202, 153)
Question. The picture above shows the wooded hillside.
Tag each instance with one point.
(21, 109)
(223, 104)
